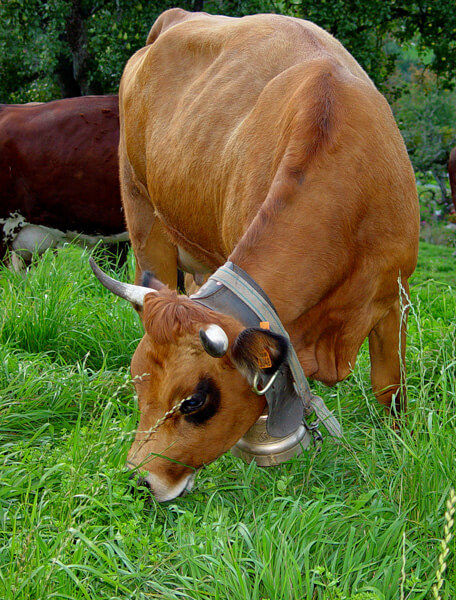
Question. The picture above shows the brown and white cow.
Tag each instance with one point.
(262, 141)
(452, 175)
(59, 174)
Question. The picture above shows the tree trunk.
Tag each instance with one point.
(64, 71)
(73, 72)
(444, 201)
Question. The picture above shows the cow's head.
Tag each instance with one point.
(204, 358)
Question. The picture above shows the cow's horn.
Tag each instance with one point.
(214, 340)
(132, 293)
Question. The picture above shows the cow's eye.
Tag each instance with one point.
(203, 403)
(193, 403)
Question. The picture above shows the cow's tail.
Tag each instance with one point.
(314, 113)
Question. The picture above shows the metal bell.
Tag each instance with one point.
(268, 451)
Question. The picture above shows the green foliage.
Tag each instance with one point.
(68, 47)
(114, 33)
(365, 27)
(435, 22)
(427, 119)
(361, 520)
(361, 26)
(29, 31)
(65, 48)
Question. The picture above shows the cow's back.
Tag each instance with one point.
(59, 165)
(208, 106)
(201, 75)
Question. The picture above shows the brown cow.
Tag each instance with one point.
(59, 173)
(260, 141)
(452, 175)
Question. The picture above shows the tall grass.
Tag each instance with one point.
(361, 520)
(56, 309)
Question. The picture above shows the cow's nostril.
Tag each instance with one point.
(142, 482)
(139, 484)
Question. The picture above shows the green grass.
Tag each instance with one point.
(361, 520)
(436, 263)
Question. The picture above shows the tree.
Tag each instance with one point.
(27, 53)
(71, 47)
(427, 119)
(365, 27)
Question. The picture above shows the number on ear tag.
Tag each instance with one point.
(264, 361)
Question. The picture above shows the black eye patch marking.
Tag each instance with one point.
(203, 403)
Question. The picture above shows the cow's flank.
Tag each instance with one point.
(59, 174)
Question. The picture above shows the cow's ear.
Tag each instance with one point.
(259, 350)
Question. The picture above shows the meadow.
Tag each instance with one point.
(362, 519)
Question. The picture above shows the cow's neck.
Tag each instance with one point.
(272, 276)
(272, 250)
(310, 294)
(284, 266)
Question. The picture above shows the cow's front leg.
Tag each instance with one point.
(154, 252)
(151, 245)
(387, 343)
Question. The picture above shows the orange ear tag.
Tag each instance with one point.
(264, 361)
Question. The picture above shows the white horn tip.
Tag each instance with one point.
(133, 293)
(214, 340)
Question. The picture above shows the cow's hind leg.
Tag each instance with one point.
(152, 248)
(387, 342)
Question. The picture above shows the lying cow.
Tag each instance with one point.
(452, 175)
(59, 174)
(258, 144)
